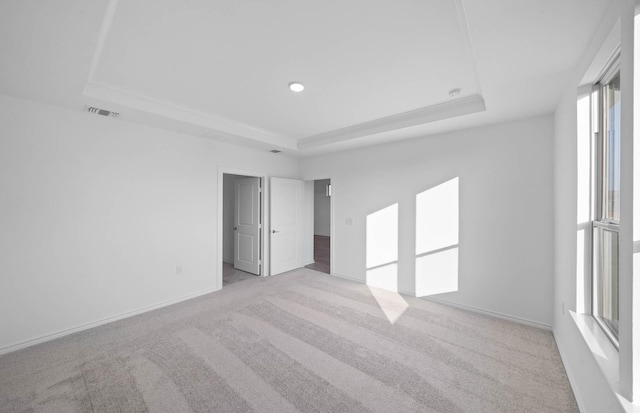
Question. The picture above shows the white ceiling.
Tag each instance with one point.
(374, 70)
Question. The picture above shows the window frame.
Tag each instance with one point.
(601, 222)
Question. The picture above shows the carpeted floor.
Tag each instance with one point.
(231, 275)
(298, 342)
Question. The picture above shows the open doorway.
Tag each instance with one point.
(241, 227)
(321, 226)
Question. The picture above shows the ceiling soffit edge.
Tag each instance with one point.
(466, 33)
(102, 37)
(138, 101)
(225, 129)
(458, 107)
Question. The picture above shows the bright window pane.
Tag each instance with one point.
(605, 288)
(611, 178)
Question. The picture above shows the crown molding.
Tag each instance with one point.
(216, 126)
(135, 105)
(468, 42)
(235, 132)
(109, 14)
(458, 107)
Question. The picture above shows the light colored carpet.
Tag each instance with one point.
(298, 342)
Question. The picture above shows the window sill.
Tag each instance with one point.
(605, 355)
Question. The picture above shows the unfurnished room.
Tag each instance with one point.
(320, 206)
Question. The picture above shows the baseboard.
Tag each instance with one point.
(482, 311)
(570, 376)
(347, 277)
(76, 329)
(407, 292)
(491, 313)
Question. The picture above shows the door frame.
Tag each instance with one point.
(264, 211)
(332, 221)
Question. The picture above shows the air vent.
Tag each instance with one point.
(275, 151)
(101, 112)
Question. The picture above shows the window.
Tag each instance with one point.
(606, 225)
(611, 149)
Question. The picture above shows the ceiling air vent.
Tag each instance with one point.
(102, 112)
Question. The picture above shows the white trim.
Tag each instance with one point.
(120, 99)
(610, 68)
(218, 126)
(131, 99)
(450, 109)
(229, 130)
(604, 354)
(264, 265)
(601, 348)
(570, 375)
(406, 292)
(97, 323)
(490, 313)
(102, 37)
(332, 226)
(604, 54)
(348, 278)
(308, 215)
(477, 310)
(466, 32)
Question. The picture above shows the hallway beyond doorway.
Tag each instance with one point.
(232, 275)
(321, 249)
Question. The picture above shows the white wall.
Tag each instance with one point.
(322, 208)
(97, 213)
(593, 392)
(505, 246)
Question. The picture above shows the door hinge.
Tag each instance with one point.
(259, 226)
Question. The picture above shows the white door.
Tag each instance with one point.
(286, 208)
(247, 226)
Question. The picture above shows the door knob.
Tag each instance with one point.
(274, 231)
(235, 228)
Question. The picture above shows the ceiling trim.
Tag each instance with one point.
(466, 33)
(458, 107)
(229, 130)
(222, 128)
(102, 37)
(137, 101)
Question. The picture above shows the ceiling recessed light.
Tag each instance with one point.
(296, 86)
(455, 92)
(275, 151)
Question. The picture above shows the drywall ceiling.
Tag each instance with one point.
(374, 70)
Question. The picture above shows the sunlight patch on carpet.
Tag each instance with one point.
(391, 303)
